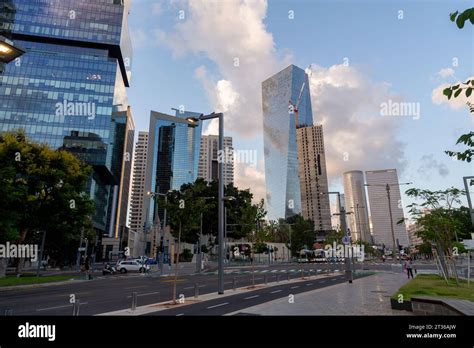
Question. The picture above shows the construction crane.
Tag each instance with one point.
(294, 107)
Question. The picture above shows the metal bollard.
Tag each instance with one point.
(233, 283)
(134, 300)
(288, 276)
(75, 308)
(196, 290)
(265, 279)
(8, 312)
(278, 277)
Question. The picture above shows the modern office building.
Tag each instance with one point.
(356, 205)
(172, 159)
(379, 207)
(209, 158)
(313, 178)
(69, 90)
(283, 195)
(137, 212)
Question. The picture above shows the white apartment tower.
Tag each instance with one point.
(313, 177)
(377, 181)
(137, 211)
(356, 205)
(209, 159)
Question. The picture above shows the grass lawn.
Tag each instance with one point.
(434, 285)
(31, 279)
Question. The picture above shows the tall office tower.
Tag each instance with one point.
(209, 159)
(137, 211)
(356, 203)
(283, 197)
(379, 210)
(69, 89)
(313, 178)
(172, 158)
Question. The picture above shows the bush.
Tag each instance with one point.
(186, 256)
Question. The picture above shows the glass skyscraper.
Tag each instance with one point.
(68, 89)
(283, 198)
(173, 155)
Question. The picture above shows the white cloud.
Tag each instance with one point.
(233, 36)
(250, 177)
(438, 98)
(446, 72)
(347, 103)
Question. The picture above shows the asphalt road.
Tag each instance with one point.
(111, 293)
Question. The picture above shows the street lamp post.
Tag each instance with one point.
(387, 188)
(8, 51)
(342, 222)
(220, 204)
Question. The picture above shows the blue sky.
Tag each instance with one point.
(388, 57)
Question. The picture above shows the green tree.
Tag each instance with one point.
(440, 220)
(42, 190)
(302, 233)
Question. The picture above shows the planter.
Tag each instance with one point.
(404, 306)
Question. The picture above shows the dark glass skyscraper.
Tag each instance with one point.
(68, 89)
(279, 139)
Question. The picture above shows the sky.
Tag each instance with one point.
(212, 55)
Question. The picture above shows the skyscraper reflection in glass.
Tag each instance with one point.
(68, 89)
(173, 155)
(283, 197)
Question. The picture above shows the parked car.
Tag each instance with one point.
(131, 265)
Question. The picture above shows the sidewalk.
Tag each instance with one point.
(366, 296)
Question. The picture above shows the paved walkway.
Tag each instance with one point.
(365, 296)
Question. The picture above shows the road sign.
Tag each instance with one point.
(346, 240)
(81, 249)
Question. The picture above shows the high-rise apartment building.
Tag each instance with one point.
(313, 178)
(283, 195)
(209, 159)
(69, 90)
(356, 205)
(138, 196)
(379, 207)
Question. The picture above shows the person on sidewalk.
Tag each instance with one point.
(409, 267)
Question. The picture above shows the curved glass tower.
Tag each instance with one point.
(283, 198)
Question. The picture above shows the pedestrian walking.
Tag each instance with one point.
(409, 267)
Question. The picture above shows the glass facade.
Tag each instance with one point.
(283, 198)
(68, 89)
(173, 154)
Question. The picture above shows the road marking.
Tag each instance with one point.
(180, 314)
(275, 270)
(254, 296)
(333, 280)
(274, 292)
(218, 305)
(264, 271)
(49, 308)
(294, 287)
(136, 287)
(318, 270)
(309, 284)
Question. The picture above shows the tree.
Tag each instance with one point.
(41, 189)
(456, 90)
(440, 221)
(302, 233)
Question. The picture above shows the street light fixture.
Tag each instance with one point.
(192, 121)
(8, 51)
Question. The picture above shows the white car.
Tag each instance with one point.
(131, 265)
